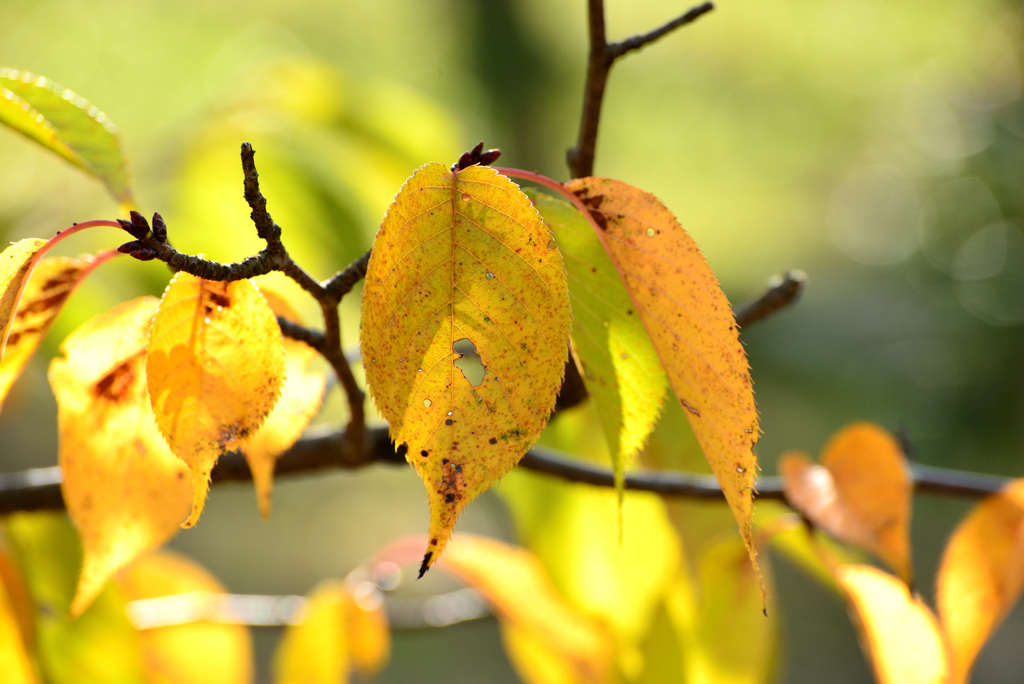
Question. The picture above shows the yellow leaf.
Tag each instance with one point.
(860, 494)
(337, 635)
(620, 368)
(982, 574)
(215, 367)
(42, 299)
(124, 490)
(100, 645)
(15, 662)
(691, 325)
(15, 268)
(201, 652)
(299, 403)
(897, 630)
(463, 255)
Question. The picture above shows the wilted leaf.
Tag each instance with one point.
(124, 490)
(100, 645)
(982, 574)
(67, 124)
(562, 643)
(15, 269)
(215, 367)
(898, 631)
(200, 652)
(15, 662)
(620, 368)
(42, 299)
(299, 403)
(859, 494)
(691, 326)
(463, 255)
(334, 638)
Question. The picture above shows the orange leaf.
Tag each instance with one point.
(42, 299)
(860, 494)
(215, 367)
(199, 652)
(15, 268)
(124, 490)
(463, 255)
(533, 615)
(691, 325)
(898, 631)
(338, 634)
(982, 574)
(299, 403)
(15, 663)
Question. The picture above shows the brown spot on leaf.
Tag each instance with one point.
(690, 407)
(114, 385)
(493, 440)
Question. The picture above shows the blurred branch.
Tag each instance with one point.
(602, 56)
(782, 291)
(329, 449)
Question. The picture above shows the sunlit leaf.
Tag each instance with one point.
(620, 368)
(201, 652)
(336, 636)
(215, 368)
(691, 325)
(898, 632)
(982, 574)
(124, 490)
(42, 299)
(562, 643)
(860, 494)
(15, 662)
(67, 124)
(300, 401)
(100, 645)
(15, 269)
(463, 255)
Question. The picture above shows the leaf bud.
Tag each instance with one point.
(129, 247)
(144, 254)
(159, 227)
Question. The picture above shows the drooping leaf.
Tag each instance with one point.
(463, 255)
(546, 638)
(981, 575)
(620, 368)
(15, 268)
(215, 368)
(299, 403)
(100, 645)
(66, 124)
(124, 490)
(15, 661)
(691, 326)
(898, 632)
(42, 299)
(335, 637)
(201, 652)
(860, 494)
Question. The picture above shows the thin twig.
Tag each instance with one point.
(602, 57)
(342, 283)
(320, 449)
(782, 291)
(312, 338)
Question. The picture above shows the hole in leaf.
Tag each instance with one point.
(469, 361)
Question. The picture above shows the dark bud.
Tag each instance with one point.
(137, 229)
(477, 150)
(159, 228)
(144, 254)
(139, 221)
(465, 161)
(129, 247)
(489, 157)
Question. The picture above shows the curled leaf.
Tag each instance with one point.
(860, 494)
(982, 574)
(463, 255)
(215, 368)
(16, 264)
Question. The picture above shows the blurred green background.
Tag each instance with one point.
(877, 145)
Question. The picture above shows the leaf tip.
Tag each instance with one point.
(425, 565)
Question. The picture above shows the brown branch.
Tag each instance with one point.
(322, 449)
(782, 291)
(602, 57)
(342, 283)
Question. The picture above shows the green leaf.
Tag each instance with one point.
(101, 645)
(67, 124)
(620, 368)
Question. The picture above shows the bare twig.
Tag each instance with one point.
(782, 291)
(342, 283)
(602, 56)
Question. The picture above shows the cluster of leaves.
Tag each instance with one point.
(153, 392)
